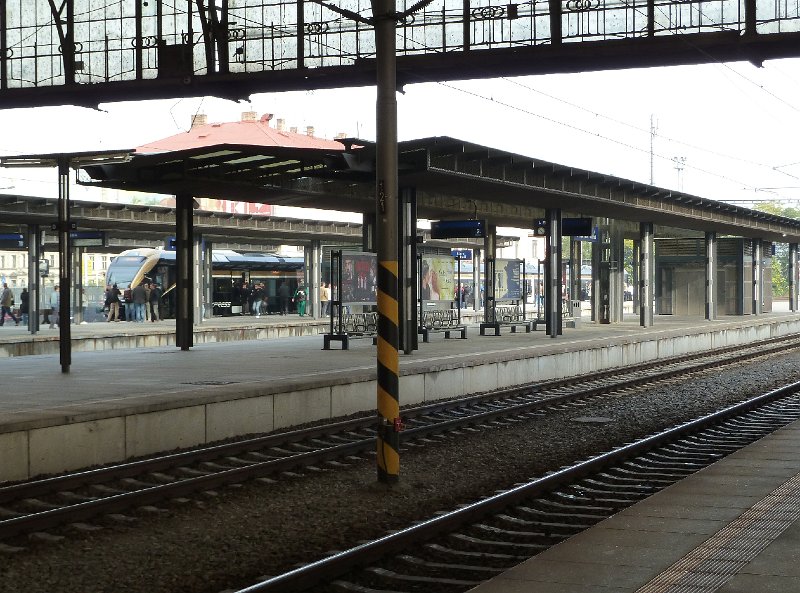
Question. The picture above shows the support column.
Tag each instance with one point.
(476, 279)
(198, 266)
(757, 277)
(616, 295)
(314, 273)
(409, 340)
(793, 277)
(489, 248)
(574, 275)
(637, 258)
(34, 279)
(77, 284)
(64, 226)
(208, 280)
(552, 274)
(368, 232)
(386, 207)
(711, 275)
(646, 274)
(184, 232)
(602, 294)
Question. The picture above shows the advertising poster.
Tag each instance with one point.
(359, 278)
(507, 285)
(437, 279)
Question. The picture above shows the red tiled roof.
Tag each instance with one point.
(255, 132)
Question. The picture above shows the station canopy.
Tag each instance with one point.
(253, 161)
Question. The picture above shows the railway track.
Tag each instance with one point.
(458, 550)
(44, 505)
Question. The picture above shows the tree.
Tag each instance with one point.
(780, 262)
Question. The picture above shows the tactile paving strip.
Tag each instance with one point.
(715, 561)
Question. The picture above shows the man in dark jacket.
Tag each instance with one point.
(139, 295)
(155, 301)
(283, 294)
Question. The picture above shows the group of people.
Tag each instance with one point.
(7, 306)
(142, 302)
(255, 300)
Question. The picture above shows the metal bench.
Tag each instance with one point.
(442, 321)
(511, 316)
(354, 325)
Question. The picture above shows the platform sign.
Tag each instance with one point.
(88, 239)
(458, 229)
(13, 241)
(576, 227)
(461, 253)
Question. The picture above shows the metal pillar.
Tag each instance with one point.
(185, 271)
(616, 277)
(601, 300)
(408, 338)
(489, 248)
(646, 274)
(198, 286)
(386, 210)
(77, 284)
(64, 267)
(34, 279)
(792, 277)
(711, 275)
(757, 277)
(552, 274)
(637, 257)
(574, 274)
(208, 280)
(368, 232)
(476, 279)
(314, 273)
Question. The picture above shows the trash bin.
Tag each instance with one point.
(575, 309)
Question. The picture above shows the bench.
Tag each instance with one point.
(441, 321)
(511, 316)
(354, 325)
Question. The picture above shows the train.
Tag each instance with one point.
(232, 272)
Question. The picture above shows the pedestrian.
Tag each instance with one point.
(283, 295)
(258, 297)
(6, 302)
(55, 307)
(155, 301)
(112, 302)
(324, 299)
(127, 296)
(139, 295)
(300, 299)
(146, 286)
(24, 305)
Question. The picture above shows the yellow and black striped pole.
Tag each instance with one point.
(386, 206)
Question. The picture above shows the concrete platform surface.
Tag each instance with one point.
(730, 528)
(120, 403)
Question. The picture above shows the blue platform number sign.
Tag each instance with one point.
(461, 253)
(13, 241)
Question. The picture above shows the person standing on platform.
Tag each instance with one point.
(6, 300)
(112, 302)
(300, 299)
(24, 306)
(258, 297)
(146, 286)
(324, 299)
(139, 295)
(55, 307)
(127, 295)
(155, 301)
(283, 295)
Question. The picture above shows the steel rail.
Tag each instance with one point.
(328, 568)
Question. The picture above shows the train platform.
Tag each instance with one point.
(122, 403)
(730, 528)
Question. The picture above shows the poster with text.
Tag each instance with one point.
(437, 279)
(359, 278)
(507, 285)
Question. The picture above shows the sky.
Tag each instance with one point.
(722, 131)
